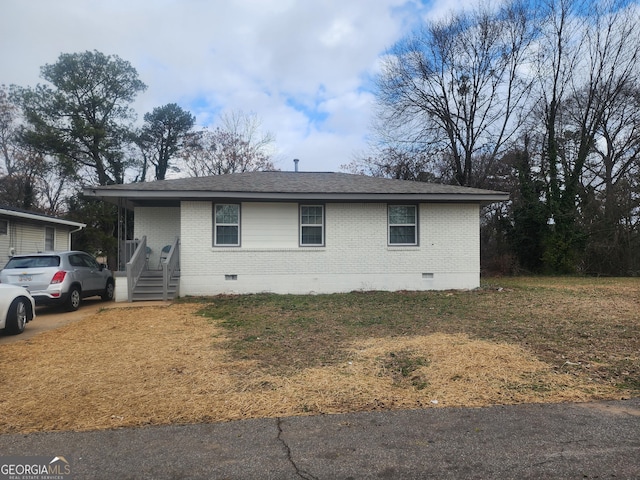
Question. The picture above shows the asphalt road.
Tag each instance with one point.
(562, 441)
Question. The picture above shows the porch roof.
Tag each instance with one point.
(289, 186)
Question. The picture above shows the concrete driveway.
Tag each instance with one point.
(50, 317)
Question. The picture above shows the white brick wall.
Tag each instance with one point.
(161, 225)
(265, 225)
(356, 255)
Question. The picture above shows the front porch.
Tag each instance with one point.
(142, 280)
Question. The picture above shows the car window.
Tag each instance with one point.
(90, 262)
(34, 262)
(76, 261)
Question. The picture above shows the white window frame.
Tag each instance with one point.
(391, 225)
(53, 239)
(315, 225)
(216, 225)
(4, 230)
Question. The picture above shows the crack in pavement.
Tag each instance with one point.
(301, 473)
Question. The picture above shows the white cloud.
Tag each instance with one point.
(443, 9)
(299, 65)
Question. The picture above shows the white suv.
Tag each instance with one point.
(59, 278)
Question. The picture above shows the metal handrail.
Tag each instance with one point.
(136, 266)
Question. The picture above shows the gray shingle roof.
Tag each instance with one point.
(290, 185)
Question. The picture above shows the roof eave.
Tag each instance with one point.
(136, 195)
(41, 218)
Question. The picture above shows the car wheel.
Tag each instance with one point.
(17, 316)
(107, 295)
(73, 302)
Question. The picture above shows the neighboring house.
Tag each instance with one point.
(299, 232)
(22, 231)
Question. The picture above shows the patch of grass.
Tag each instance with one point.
(402, 366)
(590, 322)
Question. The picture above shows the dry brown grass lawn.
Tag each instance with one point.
(229, 358)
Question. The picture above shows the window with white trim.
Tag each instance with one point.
(226, 225)
(4, 227)
(49, 239)
(403, 225)
(312, 225)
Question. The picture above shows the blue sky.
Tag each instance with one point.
(304, 67)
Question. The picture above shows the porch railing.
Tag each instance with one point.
(169, 267)
(136, 266)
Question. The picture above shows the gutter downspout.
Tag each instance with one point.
(72, 232)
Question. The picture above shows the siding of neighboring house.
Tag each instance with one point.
(161, 225)
(61, 239)
(5, 246)
(356, 255)
(25, 237)
(29, 238)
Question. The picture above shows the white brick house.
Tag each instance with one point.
(299, 232)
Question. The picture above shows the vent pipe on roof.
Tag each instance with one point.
(295, 161)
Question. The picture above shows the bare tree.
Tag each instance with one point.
(456, 90)
(392, 163)
(248, 127)
(608, 204)
(237, 146)
(616, 152)
(585, 70)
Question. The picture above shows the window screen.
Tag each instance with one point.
(312, 225)
(403, 225)
(226, 225)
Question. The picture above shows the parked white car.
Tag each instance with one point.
(17, 307)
